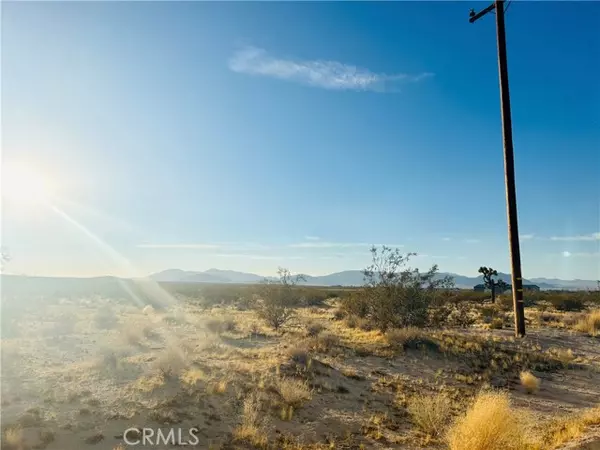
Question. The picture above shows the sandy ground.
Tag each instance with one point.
(78, 375)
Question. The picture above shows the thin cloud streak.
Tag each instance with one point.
(323, 74)
(567, 254)
(586, 237)
(258, 257)
(180, 246)
(315, 245)
(527, 237)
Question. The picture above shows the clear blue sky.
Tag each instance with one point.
(248, 136)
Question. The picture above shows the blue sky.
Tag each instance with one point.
(248, 136)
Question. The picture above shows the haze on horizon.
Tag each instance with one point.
(139, 137)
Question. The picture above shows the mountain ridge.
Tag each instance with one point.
(343, 278)
(355, 278)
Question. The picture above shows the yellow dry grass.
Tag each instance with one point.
(251, 429)
(13, 438)
(193, 376)
(569, 428)
(218, 387)
(590, 323)
(149, 383)
(530, 382)
(488, 424)
(430, 413)
(294, 392)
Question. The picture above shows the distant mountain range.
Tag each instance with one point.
(350, 278)
(34, 286)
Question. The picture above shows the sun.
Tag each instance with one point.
(25, 185)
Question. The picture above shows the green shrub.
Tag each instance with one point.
(567, 302)
(355, 304)
(497, 323)
(278, 299)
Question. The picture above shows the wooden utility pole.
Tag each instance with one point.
(509, 166)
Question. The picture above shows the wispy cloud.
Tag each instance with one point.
(208, 246)
(180, 246)
(446, 239)
(317, 73)
(585, 237)
(319, 244)
(567, 254)
(312, 238)
(257, 257)
(322, 244)
(526, 237)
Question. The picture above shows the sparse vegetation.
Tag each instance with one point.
(567, 302)
(395, 295)
(278, 299)
(410, 337)
(294, 392)
(252, 427)
(589, 323)
(313, 329)
(430, 413)
(214, 358)
(530, 382)
(488, 424)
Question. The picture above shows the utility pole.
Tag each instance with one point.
(509, 166)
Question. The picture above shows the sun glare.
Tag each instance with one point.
(25, 185)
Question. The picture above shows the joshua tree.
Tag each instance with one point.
(489, 282)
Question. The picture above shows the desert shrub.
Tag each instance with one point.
(451, 311)
(105, 318)
(323, 343)
(314, 328)
(409, 337)
(589, 323)
(505, 302)
(300, 354)
(171, 362)
(312, 297)
(567, 302)
(229, 324)
(278, 299)
(351, 321)
(394, 295)
(213, 325)
(294, 392)
(530, 382)
(355, 304)
(338, 314)
(430, 413)
(497, 323)
(220, 325)
(365, 324)
(564, 355)
(487, 313)
(488, 424)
